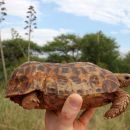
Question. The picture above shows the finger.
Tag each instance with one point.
(86, 117)
(70, 109)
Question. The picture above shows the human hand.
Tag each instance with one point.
(66, 118)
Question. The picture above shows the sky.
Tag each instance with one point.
(80, 17)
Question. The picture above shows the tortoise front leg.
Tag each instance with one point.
(30, 101)
(119, 104)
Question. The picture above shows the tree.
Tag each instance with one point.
(55, 58)
(13, 51)
(125, 64)
(96, 48)
(2, 18)
(15, 55)
(127, 58)
(15, 34)
(17, 37)
(103, 53)
(65, 48)
(30, 25)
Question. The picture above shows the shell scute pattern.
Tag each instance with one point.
(64, 70)
(62, 79)
(26, 78)
(83, 80)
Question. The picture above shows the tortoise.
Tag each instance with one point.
(36, 85)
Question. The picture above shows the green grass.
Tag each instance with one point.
(14, 117)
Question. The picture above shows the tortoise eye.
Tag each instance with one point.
(127, 77)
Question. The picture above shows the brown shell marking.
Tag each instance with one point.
(25, 78)
(61, 79)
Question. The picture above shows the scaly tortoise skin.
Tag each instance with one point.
(47, 85)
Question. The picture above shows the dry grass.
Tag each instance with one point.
(14, 117)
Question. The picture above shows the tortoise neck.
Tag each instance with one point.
(124, 79)
(124, 84)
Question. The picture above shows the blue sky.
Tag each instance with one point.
(55, 17)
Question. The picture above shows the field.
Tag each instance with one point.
(13, 117)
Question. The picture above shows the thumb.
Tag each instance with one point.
(70, 110)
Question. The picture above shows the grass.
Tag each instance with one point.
(14, 117)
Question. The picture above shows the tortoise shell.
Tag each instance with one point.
(83, 78)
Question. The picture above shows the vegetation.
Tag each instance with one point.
(64, 48)
(30, 26)
(96, 48)
(2, 18)
(16, 52)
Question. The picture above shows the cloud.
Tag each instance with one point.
(19, 7)
(40, 36)
(120, 32)
(109, 11)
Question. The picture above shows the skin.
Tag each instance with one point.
(119, 104)
(124, 79)
(66, 118)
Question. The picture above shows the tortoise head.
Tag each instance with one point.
(124, 79)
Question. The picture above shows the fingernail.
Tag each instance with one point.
(74, 103)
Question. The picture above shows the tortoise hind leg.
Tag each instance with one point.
(30, 101)
(119, 104)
